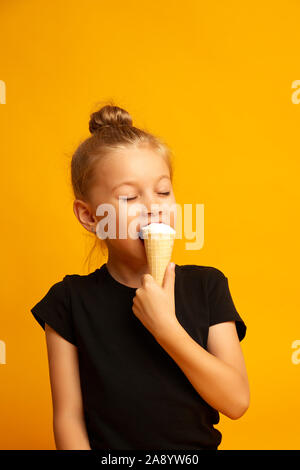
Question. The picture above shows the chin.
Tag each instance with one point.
(134, 249)
(140, 249)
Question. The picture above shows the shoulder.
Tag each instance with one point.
(207, 275)
(69, 284)
(78, 280)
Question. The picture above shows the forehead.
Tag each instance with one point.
(133, 163)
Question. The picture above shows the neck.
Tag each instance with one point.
(126, 273)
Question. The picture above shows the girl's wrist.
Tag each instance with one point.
(168, 329)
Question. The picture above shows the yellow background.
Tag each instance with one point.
(214, 79)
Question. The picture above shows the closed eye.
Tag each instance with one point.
(132, 198)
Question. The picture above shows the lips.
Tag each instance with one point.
(140, 235)
(145, 225)
(148, 223)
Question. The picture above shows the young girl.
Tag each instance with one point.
(132, 364)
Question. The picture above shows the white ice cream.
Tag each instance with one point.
(156, 228)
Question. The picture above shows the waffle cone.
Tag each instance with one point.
(159, 249)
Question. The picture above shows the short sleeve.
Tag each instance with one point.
(221, 305)
(55, 310)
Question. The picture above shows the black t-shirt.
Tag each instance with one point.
(135, 396)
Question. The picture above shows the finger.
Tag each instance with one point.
(146, 278)
(169, 277)
(138, 292)
(135, 309)
(136, 302)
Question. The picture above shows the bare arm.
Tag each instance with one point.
(68, 416)
(219, 374)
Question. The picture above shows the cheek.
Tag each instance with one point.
(173, 220)
(174, 214)
(170, 213)
(127, 224)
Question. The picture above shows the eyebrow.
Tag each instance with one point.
(131, 183)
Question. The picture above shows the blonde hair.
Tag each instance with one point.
(111, 129)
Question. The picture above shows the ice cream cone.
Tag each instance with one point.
(159, 242)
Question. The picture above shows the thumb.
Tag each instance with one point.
(169, 277)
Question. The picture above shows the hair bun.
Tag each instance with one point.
(109, 116)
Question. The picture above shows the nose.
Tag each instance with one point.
(151, 203)
(152, 216)
(151, 210)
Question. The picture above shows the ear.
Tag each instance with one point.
(169, 277)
